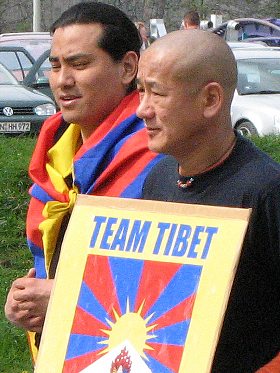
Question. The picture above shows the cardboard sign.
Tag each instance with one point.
(141, 286)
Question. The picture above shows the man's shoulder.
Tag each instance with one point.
(255, 160)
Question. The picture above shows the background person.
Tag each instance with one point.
(186, 97)
(191, 20)
(143, 34)
(95, 145)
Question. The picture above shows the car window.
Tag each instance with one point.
(272, 42)
(6, 77)
(258, 76)
(255, 29)
(16, 62)
(43, 70)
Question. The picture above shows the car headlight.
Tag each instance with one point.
(277, 122)
(45, 109)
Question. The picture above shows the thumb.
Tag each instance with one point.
(31, 273)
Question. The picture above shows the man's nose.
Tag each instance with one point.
(65, 77)
(145, 109)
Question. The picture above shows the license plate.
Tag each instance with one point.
(14, 127)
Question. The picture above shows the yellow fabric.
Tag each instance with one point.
(32, 346)
(54, 212)
(59, 166)
(61, 156)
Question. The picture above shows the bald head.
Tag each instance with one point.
(197, 57)
(186, 81)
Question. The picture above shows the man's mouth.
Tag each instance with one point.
(68, 100)
(152, 130)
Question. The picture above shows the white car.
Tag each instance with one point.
(244, 44)
(255, 108)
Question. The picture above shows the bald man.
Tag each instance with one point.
(186, 82)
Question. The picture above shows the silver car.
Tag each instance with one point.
(255, 108)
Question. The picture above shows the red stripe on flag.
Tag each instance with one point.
(155, 277)
(34, 218)
(86, 324)
(98, 278)
(76, 364)
(168, 355)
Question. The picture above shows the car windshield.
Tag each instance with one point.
(258, 76)
(6, 77)
(34, 47)
(254, 29)
(44, 69)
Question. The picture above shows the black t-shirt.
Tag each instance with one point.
(250, 335)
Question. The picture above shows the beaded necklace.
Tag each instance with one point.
(186, 181)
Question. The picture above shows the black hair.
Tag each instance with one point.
(120, 35)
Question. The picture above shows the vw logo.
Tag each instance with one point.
(8, 111)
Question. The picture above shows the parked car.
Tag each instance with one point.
(22, 110)
(32, 73)
(255, 108)
(34, 42)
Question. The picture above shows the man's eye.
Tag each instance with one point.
(155, 93)
(55, 67)
(80, 65)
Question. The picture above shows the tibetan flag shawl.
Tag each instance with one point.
(113, 161)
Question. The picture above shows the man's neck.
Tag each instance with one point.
(87, 131)
(202, 161)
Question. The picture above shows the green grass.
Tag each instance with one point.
(270, 145)
(15, 259)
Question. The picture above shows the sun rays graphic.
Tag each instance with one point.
(129, 326)
(138, 304)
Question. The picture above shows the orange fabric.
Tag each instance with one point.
(272, 367)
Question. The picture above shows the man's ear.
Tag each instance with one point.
(129, 67)
(213, 95)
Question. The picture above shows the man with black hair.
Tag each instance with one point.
(95, 145)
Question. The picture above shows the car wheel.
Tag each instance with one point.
(247, 129)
